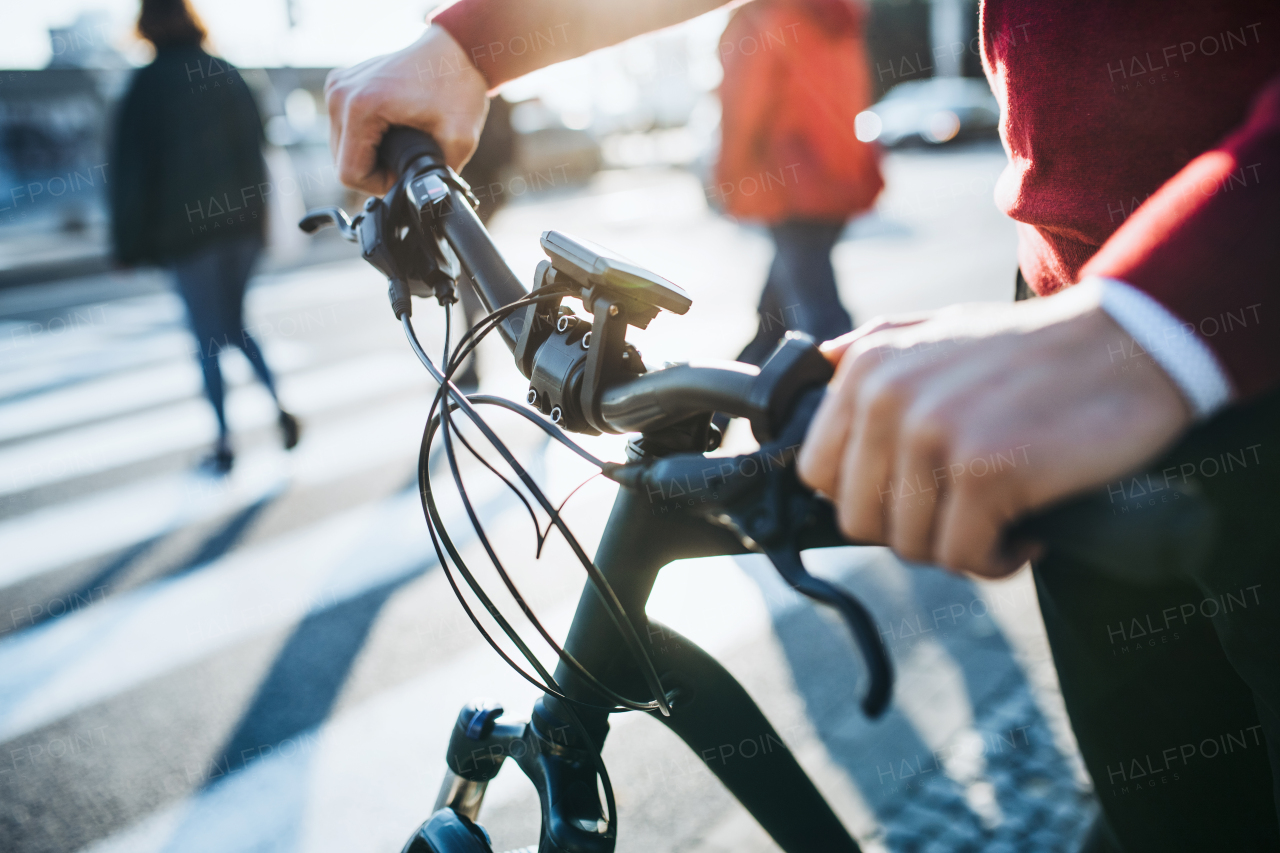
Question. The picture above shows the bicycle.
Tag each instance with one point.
(674, 503)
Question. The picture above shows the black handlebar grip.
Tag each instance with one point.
(1143, 545)
(401, 147)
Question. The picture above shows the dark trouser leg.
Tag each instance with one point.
(800, 293)
(214, 389)
(1143, 695)
(236, 259)
(196, 278)
(772, 322)
(1173, 688)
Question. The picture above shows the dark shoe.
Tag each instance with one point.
(290, 430)
(219, 462)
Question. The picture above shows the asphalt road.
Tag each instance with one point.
(272, 662)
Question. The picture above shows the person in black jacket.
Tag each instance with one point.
(188, 192)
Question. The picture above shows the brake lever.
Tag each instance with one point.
(321, 217)
(426, 267)
(760, 498)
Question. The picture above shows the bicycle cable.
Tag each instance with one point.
(449, 399)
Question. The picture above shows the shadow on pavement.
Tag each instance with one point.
(304, 682)
(998, 786)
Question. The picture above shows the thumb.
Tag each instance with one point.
(835, 348)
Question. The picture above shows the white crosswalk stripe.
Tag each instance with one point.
(117, 517)
(186, 425)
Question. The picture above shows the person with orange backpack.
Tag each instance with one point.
(795, 76)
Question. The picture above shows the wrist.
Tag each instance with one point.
(446, 56)
(1172, 344)
(1090, 338)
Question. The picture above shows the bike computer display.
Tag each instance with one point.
(594, 266)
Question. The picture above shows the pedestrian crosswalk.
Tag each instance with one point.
(108, 417)
(273, 660)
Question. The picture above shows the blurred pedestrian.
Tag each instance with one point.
(795, 76)
(187, 193)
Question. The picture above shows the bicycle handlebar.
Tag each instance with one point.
(766, 506)
(1088, 526)
(402, 147)
(665, 397)
(649, 401)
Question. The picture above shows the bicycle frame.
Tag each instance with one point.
(711, 711)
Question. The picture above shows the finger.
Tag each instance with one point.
(818, 462)
(868, 484)
(344, 114)
(922, 473)
(969, 533)
(920, 480)
(864, 491)
(458, 136)
(333, 103)
(815, 464)
(357, 150)
(835, 348)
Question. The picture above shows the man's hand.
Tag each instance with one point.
(936, 433)
(431, 85)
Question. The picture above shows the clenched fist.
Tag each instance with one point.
(431, 85)
(938, 431)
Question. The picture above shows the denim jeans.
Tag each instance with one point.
(800, 294)
(212, 283)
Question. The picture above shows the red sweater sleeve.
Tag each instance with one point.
(509, 38)
(1206, 245)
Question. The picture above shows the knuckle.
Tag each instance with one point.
(338, 88)
(884, 396)
(926, 433)
(358, 102)
(856, 525)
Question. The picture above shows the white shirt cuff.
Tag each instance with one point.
(1173, 344)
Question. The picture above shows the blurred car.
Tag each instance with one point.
(935, 111)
